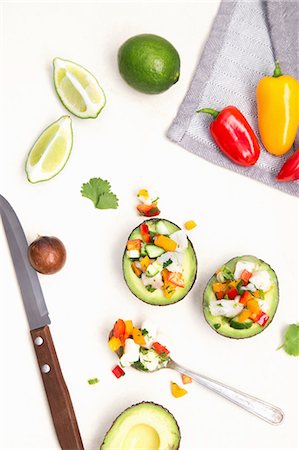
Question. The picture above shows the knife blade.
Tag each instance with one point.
(33, 298)
(59, 399)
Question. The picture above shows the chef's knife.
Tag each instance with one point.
(59, 399)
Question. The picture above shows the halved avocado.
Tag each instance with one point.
(231, 327)
(157, 297)
(145, 425)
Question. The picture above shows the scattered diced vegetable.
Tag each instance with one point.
(144, 263)
(219, 287)
(93, 381)
(186, 379)
(118, 371)
(129, 327)
(148, 210)
(119, 328)
(253, 306)
(134, 244)
(245, 276)
(166, 243)
(244, 315)
(144, 231)
(232, 293)
(177, 391)
(190, 224)
(136, 269)
(177, 279)
(114, 343)
(137, 336)
(160, 348)
(245, 297)
(262, 318)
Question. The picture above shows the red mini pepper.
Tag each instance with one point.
(262, 318)
(145, 233)
(290, 169)
(233, 135)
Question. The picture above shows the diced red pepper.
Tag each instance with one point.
(145, 233)
(118, 372)
(119, 328)
(245, 297)
(232, 293)
(245, 276)
(177, 279)
(148, 210)
(134, 244)
(160, 348)
(220, 295)
(262, 318)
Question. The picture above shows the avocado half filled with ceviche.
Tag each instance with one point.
(145, 425)
(159, 262)
(241, 298)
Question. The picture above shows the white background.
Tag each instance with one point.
(127, 146)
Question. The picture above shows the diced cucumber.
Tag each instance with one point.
(153, 269)
(143, 251)
(154, 251)
(161, 227)
(240, 325)
(133, 254)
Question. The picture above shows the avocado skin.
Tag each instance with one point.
(154, 220)
(262, 328)
(145, 403)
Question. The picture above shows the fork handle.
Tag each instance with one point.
(59, 399)
(259, 408)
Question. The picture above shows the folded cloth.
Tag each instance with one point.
(245, 40)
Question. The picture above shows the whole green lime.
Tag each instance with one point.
(149, 63)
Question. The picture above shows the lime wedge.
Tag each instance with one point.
(51, 151)
(78, 89)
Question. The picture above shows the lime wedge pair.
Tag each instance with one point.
(82, 95)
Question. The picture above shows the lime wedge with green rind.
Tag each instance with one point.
(51, 151)
(78, 89)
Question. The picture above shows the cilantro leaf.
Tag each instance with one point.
(108, 200)
(98, 191)
(150, 288)
(139, 366)
(291, 342)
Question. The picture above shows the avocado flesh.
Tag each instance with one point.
(157, 297)
(271, 297)
(143, 426)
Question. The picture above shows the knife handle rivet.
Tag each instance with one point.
(46, 368)
(38, 340)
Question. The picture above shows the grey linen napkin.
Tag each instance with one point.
(245, 40)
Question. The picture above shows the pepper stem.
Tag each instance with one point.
(277, 71)
(214, 113)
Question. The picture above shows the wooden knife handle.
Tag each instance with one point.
(59, 399)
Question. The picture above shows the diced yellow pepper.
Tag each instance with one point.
(219, 287)
(143, 193)
(232, 284)
(177, 391)
(244, 315)
(168, 287)
(114, 344)
(253, 306)
(136, 270)
(137, 336)
(186, 379)
(190, 224)
(145, 262)
(169, 245)
(129, 327)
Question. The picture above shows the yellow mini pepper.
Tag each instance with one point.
(177, 391)
(278, 111)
